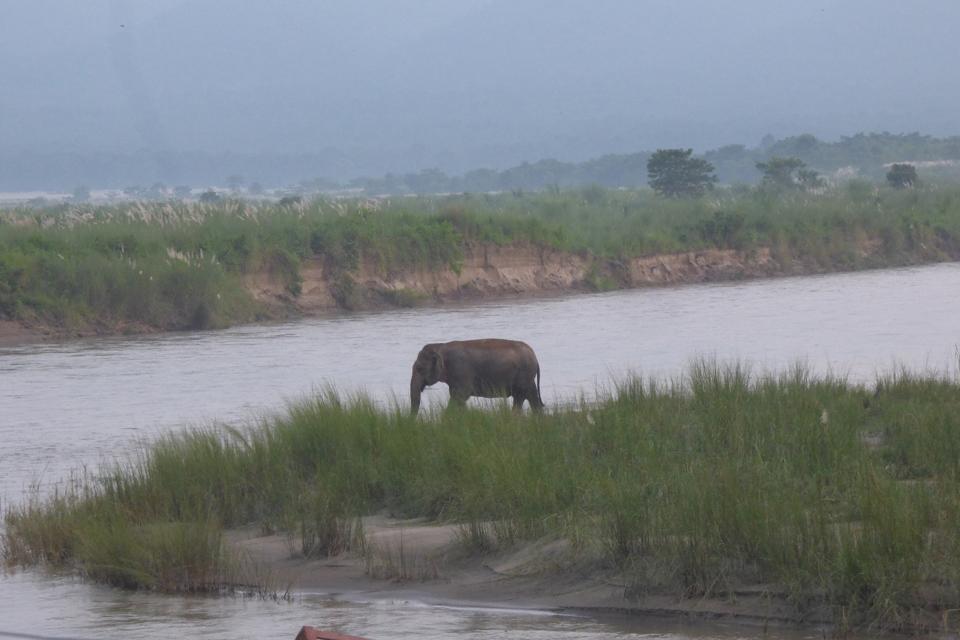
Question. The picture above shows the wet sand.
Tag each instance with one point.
(545, 575)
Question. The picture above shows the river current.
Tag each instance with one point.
(67, 405)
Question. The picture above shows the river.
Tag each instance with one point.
(73, 404)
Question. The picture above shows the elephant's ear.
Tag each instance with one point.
(436, 362)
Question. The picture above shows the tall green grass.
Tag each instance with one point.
(837, 495)
(176, 266)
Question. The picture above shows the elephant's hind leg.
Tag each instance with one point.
(533, 396)
(519, 392)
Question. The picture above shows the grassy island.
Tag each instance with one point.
(825, 495)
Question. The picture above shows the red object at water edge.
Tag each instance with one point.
(309, 633)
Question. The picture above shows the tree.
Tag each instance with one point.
(675, 173)
(789, 173)
(778, 172)
(902, 176)
(808, 179)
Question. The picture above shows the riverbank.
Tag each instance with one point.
(814, 497)
(486, 273)
(148, 267)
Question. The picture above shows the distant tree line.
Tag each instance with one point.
(868, 155)
(798, 162)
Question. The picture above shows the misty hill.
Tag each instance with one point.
(861, 155)
(373, 86)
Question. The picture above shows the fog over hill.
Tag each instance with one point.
(369, 86)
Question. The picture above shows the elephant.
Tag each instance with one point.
(489, 368)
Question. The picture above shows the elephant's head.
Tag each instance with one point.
(428, 369)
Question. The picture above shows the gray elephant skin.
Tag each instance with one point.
(489, 368)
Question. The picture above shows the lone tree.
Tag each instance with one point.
(675, 173)
(789, 173)
(902, 176)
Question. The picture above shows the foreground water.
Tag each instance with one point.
(82, 403)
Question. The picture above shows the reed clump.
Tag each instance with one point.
(845, 497)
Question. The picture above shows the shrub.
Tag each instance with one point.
(902, 176)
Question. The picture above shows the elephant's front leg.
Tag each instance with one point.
(458, 397)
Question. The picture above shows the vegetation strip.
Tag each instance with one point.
(832, 495)
(162, 266)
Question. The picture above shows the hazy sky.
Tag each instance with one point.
(460, 84)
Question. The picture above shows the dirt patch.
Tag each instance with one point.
(15, 333)
(701, 266)
(546, 575)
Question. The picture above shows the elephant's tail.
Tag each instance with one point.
(538, 386)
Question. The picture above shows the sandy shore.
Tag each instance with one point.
(433, 568)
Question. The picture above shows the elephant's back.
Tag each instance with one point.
(492, 344)
(515, 349)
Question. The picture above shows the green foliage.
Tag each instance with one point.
(808, 180)
(675, 173)
(345, 291)
(597, 279)
(177, 557)
(778, 173)
(902, 176)
(280, 261)
(405, 298)
(723, 230)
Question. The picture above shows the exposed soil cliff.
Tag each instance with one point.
(491, 271)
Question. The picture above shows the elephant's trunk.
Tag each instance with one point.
(416, 387)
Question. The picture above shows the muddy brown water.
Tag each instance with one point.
(63, 406)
